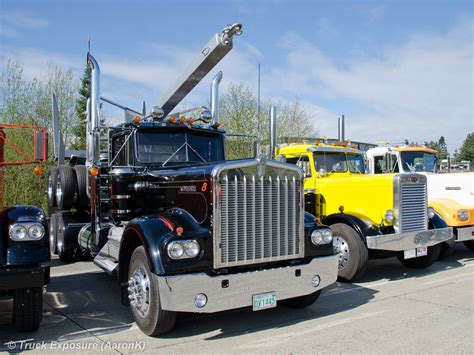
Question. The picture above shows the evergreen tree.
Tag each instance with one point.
(467, 148)
(79, 128)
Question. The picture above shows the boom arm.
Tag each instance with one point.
(216, 49)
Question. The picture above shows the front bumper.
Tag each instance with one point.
(409, 240)
(12, 278)
(177, 293)
(464, 233)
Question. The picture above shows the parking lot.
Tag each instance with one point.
(393, 309)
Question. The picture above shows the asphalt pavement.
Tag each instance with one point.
(391, 310)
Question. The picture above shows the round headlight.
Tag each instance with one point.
(463, 215)
(327, 236)
(316, 237)
(431, 212)
(36, 231)
(192, 248)
(389, 216)
(175, 250)
(17, 232)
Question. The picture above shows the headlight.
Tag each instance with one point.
(321, 236)
(36, 231)
(463, 215)
(327, 236)
(431, 212)
(26, 231)
(17, 232)
(182, 249)
(389, 216)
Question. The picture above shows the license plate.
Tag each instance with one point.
(264, 301)
(415, 253)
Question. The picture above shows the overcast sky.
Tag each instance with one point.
(396, 69)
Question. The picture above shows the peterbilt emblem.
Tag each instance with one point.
(261, 165)
(414, 179)
(453, 188)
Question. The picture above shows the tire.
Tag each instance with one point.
(469, 244)
(149, 316)
(53, 230)
(27, 308)
(52, 184)
(302, 301)
(66, 188)
(446, 250)
(424, 261)
(67, 246)
(353, 254)
(81, 177)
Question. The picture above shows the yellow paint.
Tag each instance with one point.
(448, 210)
(364, 195)
(415, 149)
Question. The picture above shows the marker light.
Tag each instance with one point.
(38, 170)
(94, 171)
(138, 120)
(172, 119)
(182, 119)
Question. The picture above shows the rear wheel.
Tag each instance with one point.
(469, 244)
(66, 190)
(302, 301)
(27, 308)
(353, 254)
(67, 248)
(81, 177)
(144, 297)
(423, 261)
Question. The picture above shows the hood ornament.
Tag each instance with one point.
(261, 164)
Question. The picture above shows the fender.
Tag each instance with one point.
(363, 226)
(28, 252)
(437, 222)
(155, 232)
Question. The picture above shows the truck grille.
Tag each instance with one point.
(413, 214)
(258, 218)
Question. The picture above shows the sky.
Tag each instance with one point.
(396, 69)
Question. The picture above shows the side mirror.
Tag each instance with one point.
(41, 144)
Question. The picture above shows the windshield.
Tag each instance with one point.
(356, 163)
(168, 148)
(330, 162)
(418, 161)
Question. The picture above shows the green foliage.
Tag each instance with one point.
(440, 147)
(239, 115)
(467, 148)
(28, 102)
(79, 128)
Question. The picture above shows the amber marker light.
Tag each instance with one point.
(341, 209)
(172, 119)
(138, 120)
(179, 231)
(217, 125)
(38, 170)
(94, 171)
(182, 119)
(191, 120)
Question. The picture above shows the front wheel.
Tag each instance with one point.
(144, 296)
(446, 249)
(302, 301)
(353, 254)
(27, 308)
(423, 261)
(469, 244)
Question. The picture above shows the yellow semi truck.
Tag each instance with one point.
(449, 194)
(371, 216)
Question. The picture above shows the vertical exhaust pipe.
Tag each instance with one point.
(215, 97)
(93, 113)
(273, 133)
(341, 129)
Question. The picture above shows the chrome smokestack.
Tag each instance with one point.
(93, 114)
(341, 136)
(215, 97)
(273, 133)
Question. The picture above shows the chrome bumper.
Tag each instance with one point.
(177, 293)
(409, 240)
(465, 233)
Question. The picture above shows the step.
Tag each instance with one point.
(106, 263)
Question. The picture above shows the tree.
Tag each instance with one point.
(440, 147)
(79, 128)
(467, 149)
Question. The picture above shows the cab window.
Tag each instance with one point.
(303, 163)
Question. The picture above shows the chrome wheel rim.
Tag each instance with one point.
(51, 235)
(50, 189)
(342, 249)
(59, 193)
(139, 291)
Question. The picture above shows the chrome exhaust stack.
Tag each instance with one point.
(215, 98)
(273, 133)
(341, 129)
(93, 115)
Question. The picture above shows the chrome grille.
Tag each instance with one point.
(413, 214)
(257, 218)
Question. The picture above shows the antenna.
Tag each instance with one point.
(258, 109)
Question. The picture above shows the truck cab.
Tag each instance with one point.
(370, 216)
(449, 194)
(182, 229)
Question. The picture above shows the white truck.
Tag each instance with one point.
(449, 194)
